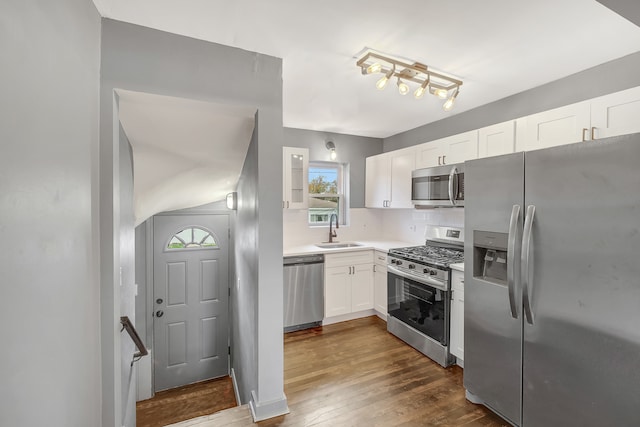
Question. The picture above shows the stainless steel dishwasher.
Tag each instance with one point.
(303, 291)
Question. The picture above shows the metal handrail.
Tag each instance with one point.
(126, 324)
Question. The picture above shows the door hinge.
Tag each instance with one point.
(229, 350)
(229, 291)
(229, 231)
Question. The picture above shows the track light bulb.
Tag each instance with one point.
(333, 155)
(374, 68)
(403, 88)
(441, 93)
(449, 104)
(382, 83)
(419, 93)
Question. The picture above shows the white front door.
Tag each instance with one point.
(191, 296)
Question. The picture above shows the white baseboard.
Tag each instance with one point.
(143, 378)
(261, 411)
(348, 316)
(235, 387)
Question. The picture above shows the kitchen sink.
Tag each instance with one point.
(338, 245)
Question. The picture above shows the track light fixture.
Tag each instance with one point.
(407, 71)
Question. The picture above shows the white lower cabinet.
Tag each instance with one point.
(456, 341)
(380, 283)
(348, 282)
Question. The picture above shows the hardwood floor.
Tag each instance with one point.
(186, 402)
(356, 374)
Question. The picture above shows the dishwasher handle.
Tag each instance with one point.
(302, 260)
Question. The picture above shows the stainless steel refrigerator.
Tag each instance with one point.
(552, 284)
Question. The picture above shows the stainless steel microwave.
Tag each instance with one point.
(438, 186)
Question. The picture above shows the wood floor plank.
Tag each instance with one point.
(357, 374)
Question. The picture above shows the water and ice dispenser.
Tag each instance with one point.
(490, 256)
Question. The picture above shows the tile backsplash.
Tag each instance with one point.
(405, 225)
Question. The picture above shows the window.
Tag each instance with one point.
(192, 238)
(326, 192)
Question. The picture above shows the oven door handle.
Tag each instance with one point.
(423, 280)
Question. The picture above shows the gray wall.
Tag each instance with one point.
(49, 321)
(349, 149)
(145, 60)
(606, 78)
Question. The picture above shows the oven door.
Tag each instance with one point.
(419, 305)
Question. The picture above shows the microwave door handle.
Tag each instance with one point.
(511, 259)
(452, 182)
(527, 287)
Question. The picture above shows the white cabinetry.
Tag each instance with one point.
(497, 139)
(388, 179)
(615, 114)
(348, 285)
(447, 151)
(295, 180)
(456, 340)
(559, 126)
(380, 283)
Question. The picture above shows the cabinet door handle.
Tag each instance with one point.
(443, 162)
(593, 133)
(374, 268)
(287, 204)
(439, 164)
(584, 134)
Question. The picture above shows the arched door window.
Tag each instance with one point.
(192, 238)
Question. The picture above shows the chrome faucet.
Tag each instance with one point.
(332, 232)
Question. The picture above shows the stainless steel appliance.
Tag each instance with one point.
(438, 186)
(303, 291)
(552, 284)
(419, 292)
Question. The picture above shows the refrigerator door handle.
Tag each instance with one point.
(511, 261)
(453, 175)
(526, 263)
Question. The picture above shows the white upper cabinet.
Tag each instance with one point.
(295, 178)
(447, 151)
(615, 114)
(461, 147)
(403, 162)
(497, 139)
(388, 179)
(559, 126)
(429, 154)
(377, 182)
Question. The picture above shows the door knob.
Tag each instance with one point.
(159, 301)
(159, 313)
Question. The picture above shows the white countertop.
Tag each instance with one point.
(459, 266)
(381, 245)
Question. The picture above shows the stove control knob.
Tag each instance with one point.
(398, 262)
(393, 261)
(433, 272)
(425, 271)
(411, 266)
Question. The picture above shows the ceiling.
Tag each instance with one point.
(185, 152)
(497, 47)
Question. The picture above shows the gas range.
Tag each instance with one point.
(419, 292)
(430, 263)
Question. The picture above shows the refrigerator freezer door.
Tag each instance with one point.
(582, 352)
(493, 337)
